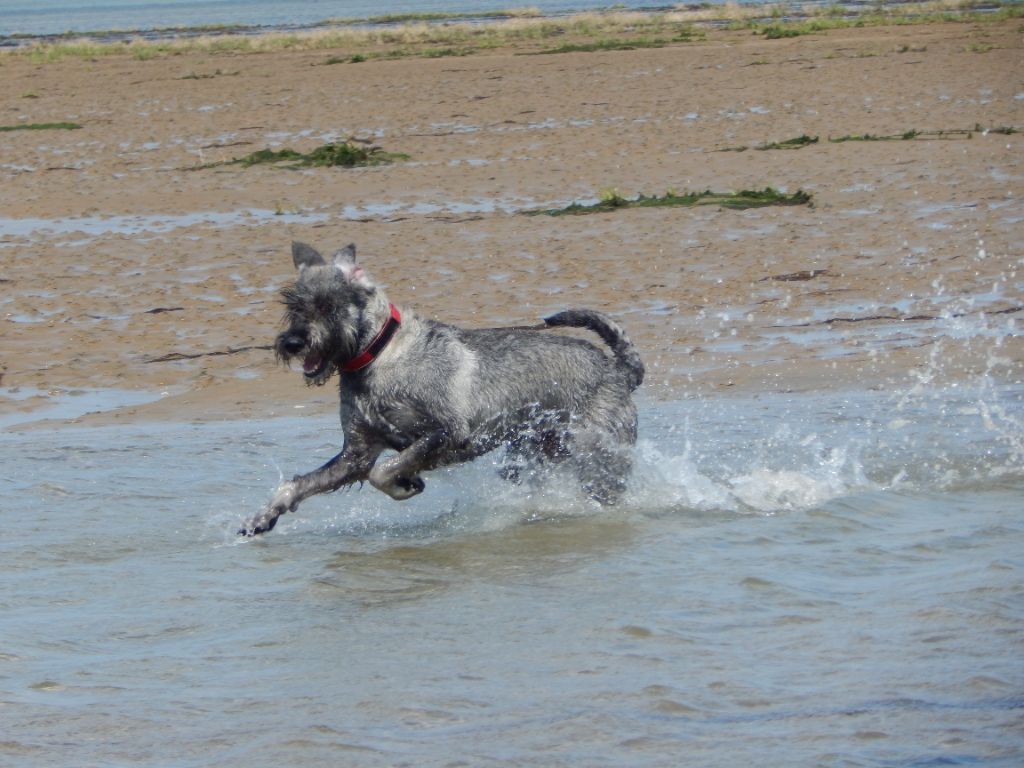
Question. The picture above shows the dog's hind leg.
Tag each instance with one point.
(398, 476)
(603, 470)
(535, 453)
(603, 441)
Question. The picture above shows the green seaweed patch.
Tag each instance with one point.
(41, 127)
(747, 198)
(797, 142)
(628, 44)
(402, 53)
(956, 133)
(344, 154)
(355, 58)
(602, 45)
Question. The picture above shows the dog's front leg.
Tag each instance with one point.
(398, 476)
(346, 468)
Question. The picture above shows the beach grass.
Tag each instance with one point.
(830, 17)
(436, 35)
(611, 200)
(777, 32)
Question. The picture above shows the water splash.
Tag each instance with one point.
(768, 455)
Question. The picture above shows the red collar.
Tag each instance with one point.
(375, 347)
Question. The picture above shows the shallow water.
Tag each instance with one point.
(826, 579)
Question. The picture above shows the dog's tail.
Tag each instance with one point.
(610, 333)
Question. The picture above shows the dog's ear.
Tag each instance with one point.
(345, 261)
(305, 256)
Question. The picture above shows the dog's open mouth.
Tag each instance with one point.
(313, 366)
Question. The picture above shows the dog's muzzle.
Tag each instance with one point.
(291, 345)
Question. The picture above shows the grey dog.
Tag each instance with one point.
(437, 394)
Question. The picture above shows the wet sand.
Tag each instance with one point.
(123, 268)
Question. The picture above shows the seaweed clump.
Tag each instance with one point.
(345, 154)
(798, 142)
(41, 126)
(910, 135)
(747, 198)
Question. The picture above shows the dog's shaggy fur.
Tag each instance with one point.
(437, 394)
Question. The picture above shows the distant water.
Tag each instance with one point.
(46, 17)
(831, 579)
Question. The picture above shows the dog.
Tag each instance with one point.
(437, 394)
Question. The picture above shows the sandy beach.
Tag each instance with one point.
(124, 267)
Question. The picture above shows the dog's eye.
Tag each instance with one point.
(324, 306)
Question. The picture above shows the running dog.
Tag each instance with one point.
(436, 394)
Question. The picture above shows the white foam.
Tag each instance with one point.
(663, 481)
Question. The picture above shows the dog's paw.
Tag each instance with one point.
(283, 501)
(260, 524)
(403, 488)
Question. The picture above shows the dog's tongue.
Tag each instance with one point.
(311, 364)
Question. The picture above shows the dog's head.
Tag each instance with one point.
(328, 311)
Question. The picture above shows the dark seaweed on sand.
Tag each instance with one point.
(747, 198)
(345, 154)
